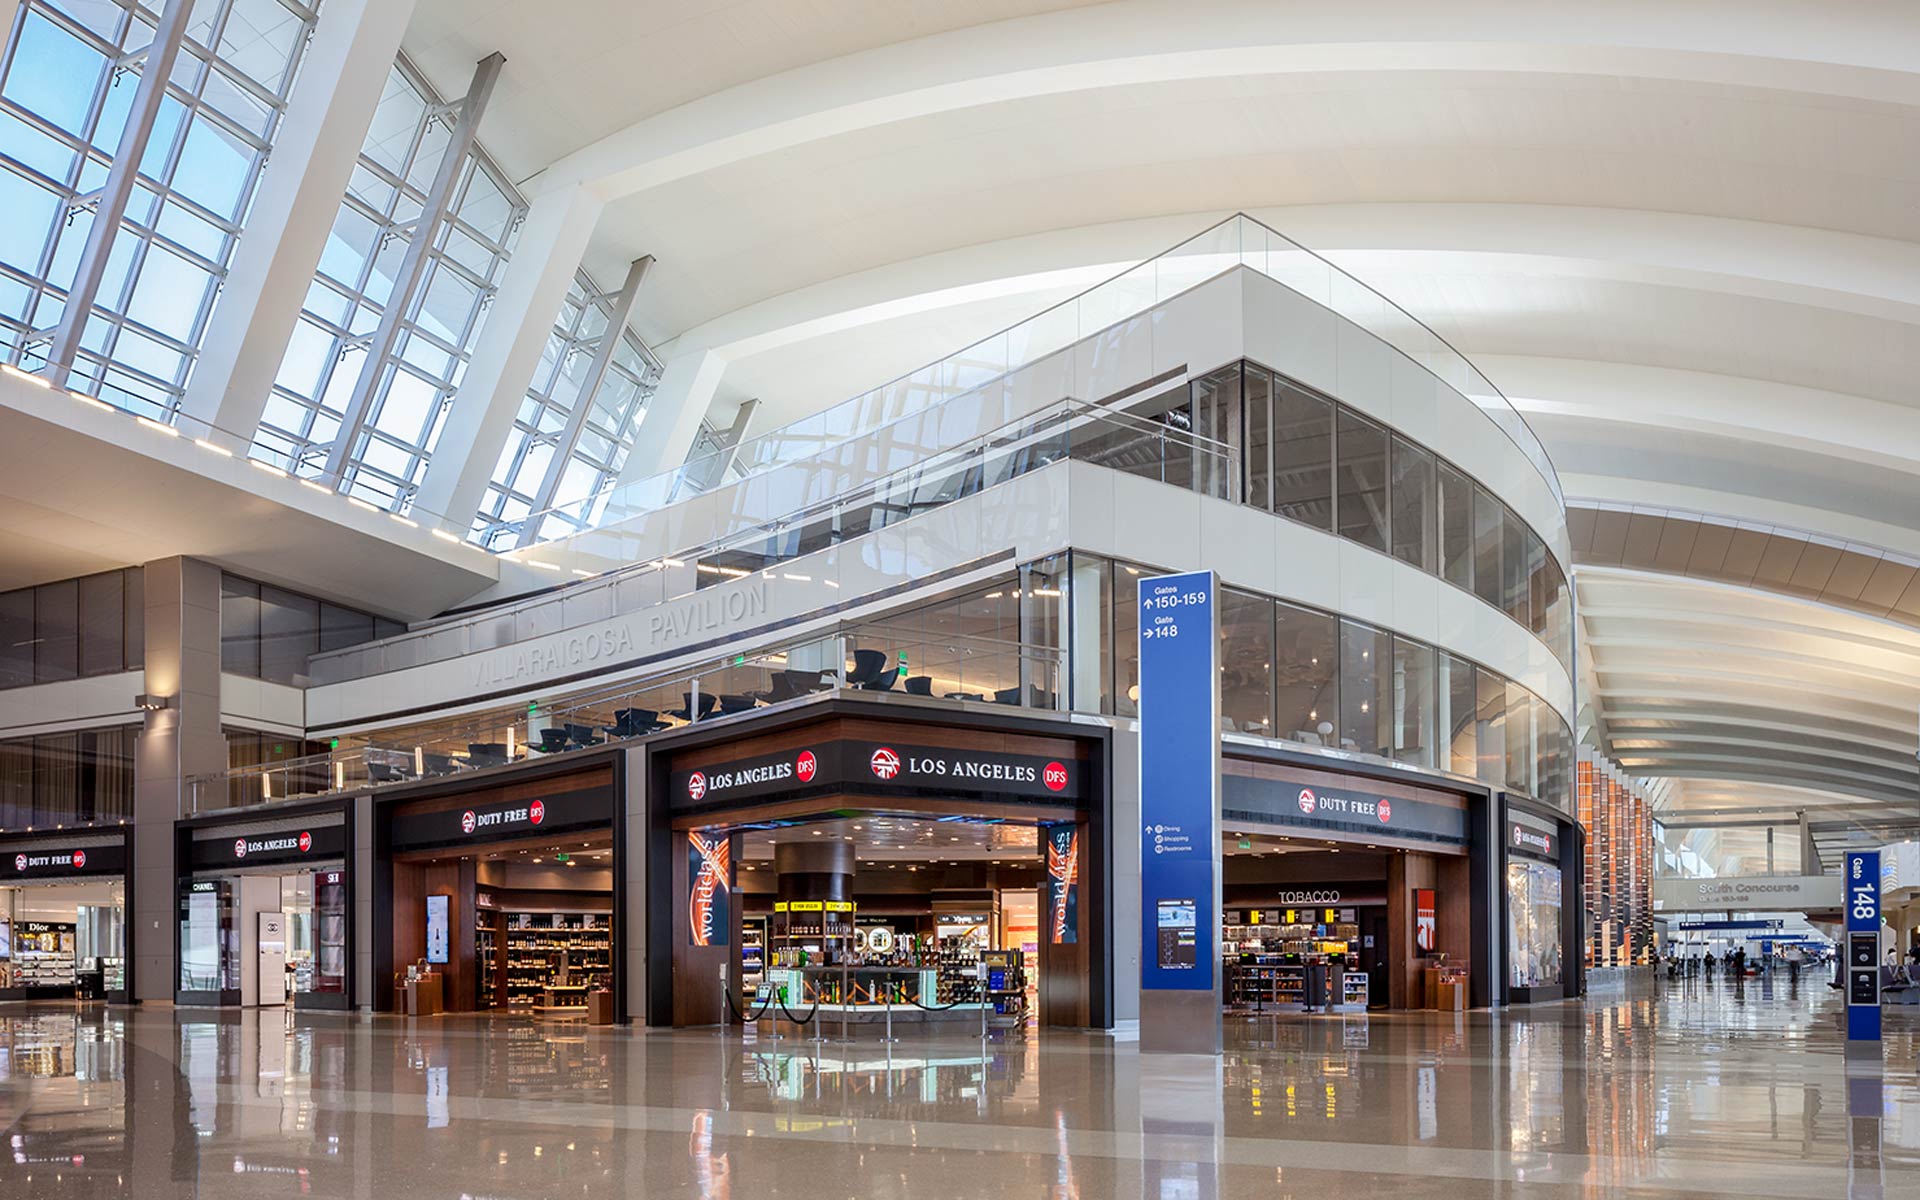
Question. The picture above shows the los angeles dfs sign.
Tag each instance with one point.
(861, 766)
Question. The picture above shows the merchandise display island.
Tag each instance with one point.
(860, 995)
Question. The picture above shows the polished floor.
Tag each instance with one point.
(1670, 1090)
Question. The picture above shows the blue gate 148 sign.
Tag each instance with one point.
(1179, 781)
(1862, 883)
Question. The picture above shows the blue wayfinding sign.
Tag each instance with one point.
(1861, 879)
(1179, 781)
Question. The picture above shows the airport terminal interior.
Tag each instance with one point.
(925, 599)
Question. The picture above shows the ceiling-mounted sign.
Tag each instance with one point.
(1308, 802)
(878, 768)
(558, 813)
(64, 862)
(278, 848)
(1766, 893)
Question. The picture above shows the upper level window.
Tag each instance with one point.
(73, 629)
(1362, 500)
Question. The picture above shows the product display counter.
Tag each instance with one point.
(859, 994)
(1260, 983)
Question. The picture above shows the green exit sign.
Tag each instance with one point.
(1245, 844)
(562, 856)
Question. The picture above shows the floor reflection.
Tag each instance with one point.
(1669, 1088)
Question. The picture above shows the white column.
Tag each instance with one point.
(9, 9)
(340, 81)
(552, 240)
(674, 414)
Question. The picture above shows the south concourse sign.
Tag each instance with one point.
(1179, 783)
(1861, 878)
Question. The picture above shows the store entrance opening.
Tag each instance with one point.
(523, 925)
(1315, 925)
(933, 918)
(62, 941)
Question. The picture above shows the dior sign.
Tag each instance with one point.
(709, 611)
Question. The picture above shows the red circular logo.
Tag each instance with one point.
(1055, 776)
(1386, 811)
(885, 763)
(1306, 801)
(239, 847)
(306, 841)
(537, 812)
(468, 821)
(19, 862)
(806, 766)
(79, 859)
(696, 785)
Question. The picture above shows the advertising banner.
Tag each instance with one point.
(1063, 884)
(1426, 925)
(708, 876)
(1860, 874)
(1179, 781)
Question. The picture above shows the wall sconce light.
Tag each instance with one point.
(147, 702)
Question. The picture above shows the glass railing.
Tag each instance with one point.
(1238, 241)
(874, 657)
(1065, 430)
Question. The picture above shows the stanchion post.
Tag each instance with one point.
(846, 1002)
(980, 987)
(889, 1039)
(819, 1037)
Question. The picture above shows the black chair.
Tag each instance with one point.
(486, 754)
(437, 764)
(803, 683)
(1007, 696)
(888, 677)
(735, 704)
(552, 741)
(582, 735)
(783, 687)
(868, 666)
(920, 685)
(633, 723)
(381, 772)
(689, 712)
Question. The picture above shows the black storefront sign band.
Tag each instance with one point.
(560, 813)
(1355, 810)
(877, 768)
(1534, 843)
(280, 848)
(63, 862)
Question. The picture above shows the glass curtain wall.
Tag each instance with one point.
(65, 89)
(78, 778)
(73, 629)
(269, 633)
(397, 163)
(1314, 460)
(1309, 677)
(595, 462)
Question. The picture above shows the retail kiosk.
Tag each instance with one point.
(858, 861)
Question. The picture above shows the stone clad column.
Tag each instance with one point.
(182, 739)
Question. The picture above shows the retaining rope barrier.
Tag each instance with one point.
(765, 1003)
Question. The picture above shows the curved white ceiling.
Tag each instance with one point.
(1685, 238)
